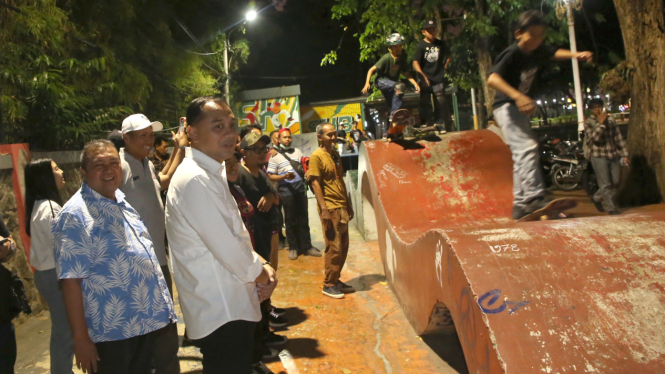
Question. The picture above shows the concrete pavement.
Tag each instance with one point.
(366, 332)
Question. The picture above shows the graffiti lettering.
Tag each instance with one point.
(504, 248)
(489, 308)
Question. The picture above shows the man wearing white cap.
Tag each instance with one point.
(142, 185)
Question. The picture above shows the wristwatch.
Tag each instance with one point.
(266, 263)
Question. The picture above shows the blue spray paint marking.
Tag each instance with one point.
(495, 294)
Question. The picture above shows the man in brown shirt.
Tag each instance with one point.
(326, 175)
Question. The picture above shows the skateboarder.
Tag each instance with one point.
(430, 61)
(513, 76)
(388, 69)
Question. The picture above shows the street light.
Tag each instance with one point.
(249, 16)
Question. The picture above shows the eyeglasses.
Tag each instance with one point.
(259, 151)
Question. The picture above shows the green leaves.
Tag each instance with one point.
(72, 70)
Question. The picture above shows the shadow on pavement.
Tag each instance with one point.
(294, 316)
(448, 347)
(301, 348)
(365, 282)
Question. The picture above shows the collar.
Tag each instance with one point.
(88, 192)
(127, 157)
(204, 161)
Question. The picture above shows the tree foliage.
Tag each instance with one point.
(475, 31)
(73, 69)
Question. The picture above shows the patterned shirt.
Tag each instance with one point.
(604, 139)
(106, 245)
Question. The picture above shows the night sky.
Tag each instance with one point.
(293, 41)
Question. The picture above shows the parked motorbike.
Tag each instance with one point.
(567, 172)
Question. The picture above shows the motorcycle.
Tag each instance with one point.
(567, 170)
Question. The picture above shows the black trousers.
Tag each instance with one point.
(7, 348)
(297, 221)
(262, 330)
(127, 356)
(229, 349)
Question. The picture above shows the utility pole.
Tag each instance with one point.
(576, 71)
(227, 93)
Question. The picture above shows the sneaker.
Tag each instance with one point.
(314, 252)
(261, 368)
(278, 311)
(273, 339)
(518, 212)
(537, 204)
(276, 320)
(269, 353)
(440, 128)
(345, 288)
(293, 254)
(282, 243)
(333, 292)
(614, 212)
(599, 206)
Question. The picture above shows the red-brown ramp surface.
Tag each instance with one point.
(580, 295)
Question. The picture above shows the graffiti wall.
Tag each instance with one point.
(344, 117)
(271, 114)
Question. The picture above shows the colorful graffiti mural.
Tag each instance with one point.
(344, 116)
(271, 114)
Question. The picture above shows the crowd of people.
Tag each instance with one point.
(101, 259)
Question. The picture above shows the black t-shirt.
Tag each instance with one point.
(432, 59)
(255, 188)
(388, 67)
(520, 69)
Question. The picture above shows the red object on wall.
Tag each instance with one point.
(20, 158)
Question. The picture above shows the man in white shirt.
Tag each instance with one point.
(293, 191)
(220, 279)
(142, 187)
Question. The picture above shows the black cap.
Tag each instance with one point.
(428, 23)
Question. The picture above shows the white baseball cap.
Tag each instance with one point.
(139, 121)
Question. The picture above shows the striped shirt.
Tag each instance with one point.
(280, 165)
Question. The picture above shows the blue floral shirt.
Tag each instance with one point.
(106, 245)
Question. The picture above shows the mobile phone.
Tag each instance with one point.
(183, 120)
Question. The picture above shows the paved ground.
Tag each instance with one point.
(364, 333)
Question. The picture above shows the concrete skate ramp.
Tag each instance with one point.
(582, 295)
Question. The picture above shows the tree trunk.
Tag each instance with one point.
(484, 58)
(484, 66)
(482, 113)
(643, 28)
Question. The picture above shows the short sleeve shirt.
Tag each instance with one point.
(520, 69)
(106, 245)
(142, 190)
(41, 240)
(328, 167)
(279, 165)
(432, 59)
(388, 67)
